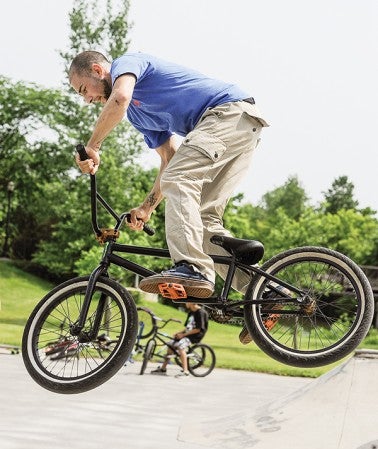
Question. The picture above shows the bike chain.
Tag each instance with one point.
(220, 317)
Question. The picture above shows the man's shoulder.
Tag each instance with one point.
(137, 55)
(139, 64)
(130, 55)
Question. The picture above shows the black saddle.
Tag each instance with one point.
(246, 251)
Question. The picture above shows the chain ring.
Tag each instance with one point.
(219, 316)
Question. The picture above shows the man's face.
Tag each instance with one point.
(93, 88)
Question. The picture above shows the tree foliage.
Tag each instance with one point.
(100, 26)
(279, 226)
(33, 154)
(291, 197)
(340, 196)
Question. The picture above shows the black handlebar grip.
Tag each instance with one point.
(82, 153)
(146, 228)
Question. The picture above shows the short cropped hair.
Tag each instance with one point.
(82, 63)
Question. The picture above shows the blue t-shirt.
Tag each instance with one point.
(168, 98)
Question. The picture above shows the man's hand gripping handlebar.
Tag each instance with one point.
(146, 228)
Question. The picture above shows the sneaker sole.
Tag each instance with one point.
(245, 337)
(202, 289)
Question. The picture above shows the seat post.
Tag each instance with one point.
(228, 281)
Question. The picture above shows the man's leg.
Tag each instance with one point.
(215, 196)
(182, 184)
(202, 176)
(220, 140)
(216, 193)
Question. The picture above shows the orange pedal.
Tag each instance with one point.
(271, 321)
(172, 291)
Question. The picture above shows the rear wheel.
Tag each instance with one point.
(201, 360)
(321, 318)
(80, 367)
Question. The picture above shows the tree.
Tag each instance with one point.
(33, 139)
(99, 26)
(340, 196)
(291, 197)
(278, 227)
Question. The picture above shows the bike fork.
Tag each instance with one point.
(77, 327)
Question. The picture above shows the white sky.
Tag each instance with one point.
(312, 67)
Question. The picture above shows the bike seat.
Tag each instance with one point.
(246, 251)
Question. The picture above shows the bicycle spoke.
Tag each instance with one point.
(69, 358)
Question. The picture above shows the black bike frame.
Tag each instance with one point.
(109, 258)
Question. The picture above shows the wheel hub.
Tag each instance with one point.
(308, 305)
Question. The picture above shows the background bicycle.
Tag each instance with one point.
(201, 357)
(68, 347)
(146, 325)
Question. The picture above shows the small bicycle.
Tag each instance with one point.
(65, 347)
(321, 300)
(201, 357)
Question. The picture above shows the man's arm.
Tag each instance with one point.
(144, 211)
(112, 113)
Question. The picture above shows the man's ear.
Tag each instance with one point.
(98, 70)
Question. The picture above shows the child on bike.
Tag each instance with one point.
(196, 325)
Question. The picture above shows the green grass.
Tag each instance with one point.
(20, 292)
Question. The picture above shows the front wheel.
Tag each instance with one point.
(82, 366)
(201, 360)
(322, 313)
(148, 354)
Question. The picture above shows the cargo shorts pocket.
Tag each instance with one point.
(253, 113)
(207, 144)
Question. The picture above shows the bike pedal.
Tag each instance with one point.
(172, 291)
(271, 321)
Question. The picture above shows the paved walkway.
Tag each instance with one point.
(129, 411)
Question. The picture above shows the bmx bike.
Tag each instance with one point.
(323, 301)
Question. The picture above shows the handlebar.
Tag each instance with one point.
(165, 322)
(95, 196)
(81, 151)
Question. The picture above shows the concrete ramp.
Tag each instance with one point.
(339, 410)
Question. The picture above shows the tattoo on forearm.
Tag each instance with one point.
(151, 199)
